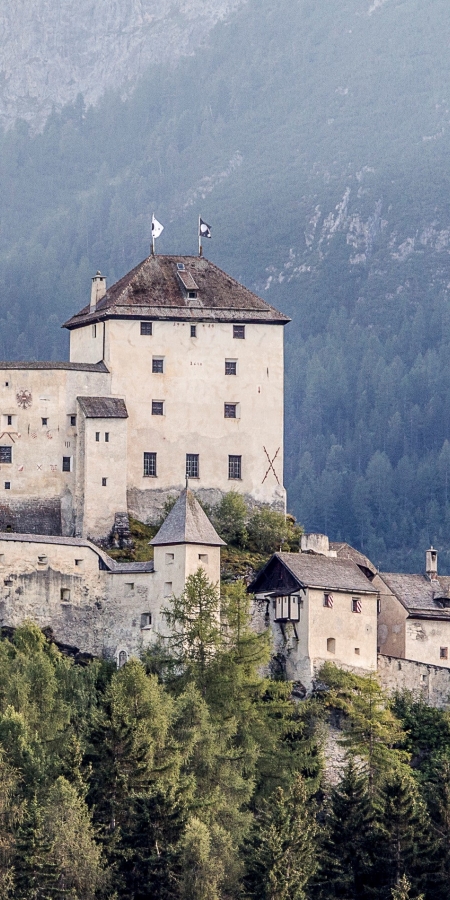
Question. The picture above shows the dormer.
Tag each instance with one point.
(189, 285)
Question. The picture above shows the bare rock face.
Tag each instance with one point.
(52, 50)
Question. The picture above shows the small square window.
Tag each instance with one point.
(149, 465)
(158, 365)
(73, 420)
(6, 383)
(193, 331)
(157, 407)
(5, 454)
(79, 563)
(356, 605)
(357, 651)
(97, 435)
(192, 295)
(230, 367)
(94, 331)
(43, 560)
(66, 464)
(104, 482)
(192, 465)
(129, 587)
(107, 437)
(65, 595)
(9, 420)
(235, 467)
(146, 327)
(170, 557)
(7, 485)
(230, 410)
(443, 653)
(181, 267)
(168, 589)
(44, 421)
(203, 557)
(239, 332)
(146, 620)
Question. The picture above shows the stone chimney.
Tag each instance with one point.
(316, 543)
(431, 564)
(98, 290)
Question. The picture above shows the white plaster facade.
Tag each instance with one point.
(200, 373)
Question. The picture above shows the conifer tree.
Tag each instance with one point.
(282, 856)
(403, 846)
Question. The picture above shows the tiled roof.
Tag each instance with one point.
(345, 551)
(187, 523)
(70, 366)
(103, 407)
(124, 568)
(313, 570)
(418, 594)
(154, 290)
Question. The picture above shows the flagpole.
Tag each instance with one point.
(200, 248)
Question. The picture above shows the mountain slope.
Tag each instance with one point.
(315, 141)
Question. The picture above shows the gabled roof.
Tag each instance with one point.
(346, 551)
(315, 571)
(157, 289)
(103, 407)
(187, 523)
(421, 597)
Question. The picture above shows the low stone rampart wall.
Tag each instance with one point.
(428, 683)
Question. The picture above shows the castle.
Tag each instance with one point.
(175, 371)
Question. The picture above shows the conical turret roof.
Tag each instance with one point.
(187, 523)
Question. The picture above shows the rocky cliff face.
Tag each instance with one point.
(52, 50)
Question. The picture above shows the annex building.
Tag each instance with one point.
(175, 371)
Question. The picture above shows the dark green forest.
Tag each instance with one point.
(314, 138)
(187, 775)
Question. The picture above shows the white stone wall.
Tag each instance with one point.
(424, 639)
(102, 460)
(426, 682)
(194, 389)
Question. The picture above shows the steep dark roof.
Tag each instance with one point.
(103, 407)
(70, 366)
(315, 571)
(421, 597)
(187, 523)
(346, 551)
(155, 290)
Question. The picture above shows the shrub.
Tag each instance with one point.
(270, 531)
(230, 517)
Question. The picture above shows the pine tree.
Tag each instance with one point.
(282, 857)
(402, 891)
(346, 858)
(403, 846)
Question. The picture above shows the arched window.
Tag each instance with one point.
(123, 656)
(331, 645)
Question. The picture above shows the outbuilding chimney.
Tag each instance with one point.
(431, 564)
(98, 290)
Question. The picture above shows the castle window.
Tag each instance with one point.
(42, 560)
(378, 605)
(193, 331)
(181, 267)
(443, 653)
(5, 454)
(357, 651)
(192, 295)
(7, 485)
(331, 645)
(65, 595)
(328, 601)
(73, 420)
(97, 435)
(9, 420)
(44, 421)
(146, 327)
(203, 557)
(235, 467)
(230, 410)
(192, 465)
(6, 383)
(67, 464)
(146, 620)
(107, 436)
(157, 407)
(79, 563)
(129, 587)
(149, 465)
(170, 558)
(356, 605)
(122, 658)
(231, 367)
(94, 331)
(239, 332)
(104, 482)
(158, 365)
(168, 589)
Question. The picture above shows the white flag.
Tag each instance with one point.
(157, 228)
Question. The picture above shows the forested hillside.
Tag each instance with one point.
(314, 139)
